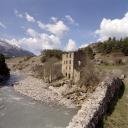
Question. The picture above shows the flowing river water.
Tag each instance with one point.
(18, 111)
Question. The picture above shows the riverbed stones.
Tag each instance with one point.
(38, 90)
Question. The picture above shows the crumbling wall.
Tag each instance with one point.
(97, 104)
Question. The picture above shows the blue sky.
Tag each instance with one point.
(65, 24)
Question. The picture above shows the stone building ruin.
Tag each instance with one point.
(71, 65)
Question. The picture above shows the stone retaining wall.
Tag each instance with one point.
(97, 104)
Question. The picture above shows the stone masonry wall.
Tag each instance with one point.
(97, 104)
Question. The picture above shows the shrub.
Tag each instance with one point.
(46, 54)
(43, 59)
(88, 52)
(89, 77)
(3, 67)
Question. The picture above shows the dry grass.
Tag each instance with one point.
(119, 118)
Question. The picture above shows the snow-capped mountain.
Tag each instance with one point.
(12, 50)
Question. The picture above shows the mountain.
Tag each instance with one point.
(12, 50)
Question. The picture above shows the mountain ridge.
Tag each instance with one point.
(10, 50)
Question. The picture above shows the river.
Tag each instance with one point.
(18, 111)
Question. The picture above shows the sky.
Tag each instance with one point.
(61, 24)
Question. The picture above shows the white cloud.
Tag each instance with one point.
(71, 45)
(84, 45)
(58, 28)
(41, 25)
(31, 32)
(36, 42)
(54, 19)
(50, 41)
(2, 25)
(70, 19)
(113, 28)
(29, 18)
(18, 14)
(55, 30)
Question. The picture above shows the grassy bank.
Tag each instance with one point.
(119, 117)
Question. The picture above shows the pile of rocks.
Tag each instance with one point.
(97, 104)
(38, 90)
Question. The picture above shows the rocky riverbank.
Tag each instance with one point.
(40, 91)
(92, 109)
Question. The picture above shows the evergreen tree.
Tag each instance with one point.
(113, 45)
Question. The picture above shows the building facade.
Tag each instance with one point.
(71, 65)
